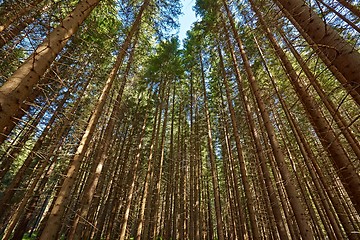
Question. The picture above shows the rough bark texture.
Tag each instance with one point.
(20, 85)
(341, 53)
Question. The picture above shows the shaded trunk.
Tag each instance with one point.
(341, 53)
(330, 142)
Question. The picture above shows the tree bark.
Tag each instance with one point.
(20, 85)
(342, 55)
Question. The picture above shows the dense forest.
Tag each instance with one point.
(113, 128)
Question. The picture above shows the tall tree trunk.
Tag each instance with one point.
(169, 213)
(274, 202)
(157, 190)
(330, 142)
(20, 85)
(249, 200)
(145, 193)
(54, 221)
(214, 174)
(231, 180)
(290, 185)
(192, 162)
(342, 55)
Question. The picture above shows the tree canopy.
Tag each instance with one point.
(112, 128)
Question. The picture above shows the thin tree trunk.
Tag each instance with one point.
(249, 200)
(214, 174)
(330, 142)
(355, 10)
(290, 185)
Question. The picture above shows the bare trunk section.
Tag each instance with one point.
(20, 85)
(341, 53)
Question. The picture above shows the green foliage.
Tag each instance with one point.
(9, 62)
(104, 26)
(28, 237)
(166, 63)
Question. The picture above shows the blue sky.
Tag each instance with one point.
(187, 18)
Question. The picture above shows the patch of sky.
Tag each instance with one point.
(187, 18)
